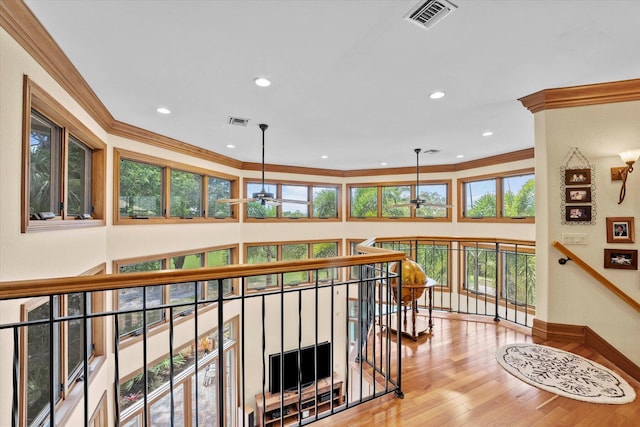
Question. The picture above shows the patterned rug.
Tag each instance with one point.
(565, 374)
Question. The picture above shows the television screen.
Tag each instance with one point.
(307, 363)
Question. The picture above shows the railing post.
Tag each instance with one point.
(398, 391)
(497, 276)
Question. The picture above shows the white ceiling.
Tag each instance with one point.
(351, 78)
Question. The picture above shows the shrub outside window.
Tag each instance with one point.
(186, 194)
(392, 196)
(140, 189)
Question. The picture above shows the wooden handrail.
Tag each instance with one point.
(104, 282)
(599, 277)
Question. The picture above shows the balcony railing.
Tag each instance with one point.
(288, 355)
(103, 350)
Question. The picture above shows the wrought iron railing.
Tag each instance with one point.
(208, 360)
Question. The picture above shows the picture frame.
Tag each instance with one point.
(624, 259)
(578, 195)
(575, 213)
(577, 176)
(620, 230)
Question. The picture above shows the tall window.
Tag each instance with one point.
(509, 273)
(63, 164)
(210, 361)
(66, 345)
(157, 190)
(504, 197)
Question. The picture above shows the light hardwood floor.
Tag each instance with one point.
(452, 379)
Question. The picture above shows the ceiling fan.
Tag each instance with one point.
(418, 202)
(262, 196)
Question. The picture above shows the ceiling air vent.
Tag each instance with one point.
(429, 13)
(238, 121)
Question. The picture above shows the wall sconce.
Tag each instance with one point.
(620, 173)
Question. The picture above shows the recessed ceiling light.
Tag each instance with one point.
(459, 156)
(487, 133)
(324, 156)
(436, 95)
(231, 146)
(163, 110)
(262, 81)
(383, 164)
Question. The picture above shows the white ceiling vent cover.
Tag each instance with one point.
(429, 13)
(238, 121)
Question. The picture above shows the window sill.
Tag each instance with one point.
(58, 224)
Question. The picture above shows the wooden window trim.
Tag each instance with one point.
(120, 154)
(279, 217)
(163, 324)
(499, 194)
(412, 218)
(36, 98)
(279, 245)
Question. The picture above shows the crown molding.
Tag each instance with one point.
(580, 96)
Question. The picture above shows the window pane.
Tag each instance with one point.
(216, 259)
(260, 209)
(131, 299)
(436, 194)
(140, 189)
(325, 202)
(207, 396)
(186, 194)
(480, 270)
(519, 278)
(295, 192)
(393, 196)
(44, 172)
(325, 250)
(180, 293)
(259, 254)
(79, 176)
(292, 253)
(161, 410)
(434, 259)
(480, 198)
(38, 369)
(75, 341)
(518, 196)
(364, 202)
(218, 189)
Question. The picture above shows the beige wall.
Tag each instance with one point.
(566, 294)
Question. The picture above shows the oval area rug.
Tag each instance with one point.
(564, 373)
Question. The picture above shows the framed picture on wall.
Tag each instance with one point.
(620, 230)
(577, 176)
(578, 213)
(626, 259)
(578, 195)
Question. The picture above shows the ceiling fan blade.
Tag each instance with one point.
(272, 202)
(402, 205)
(235, 201)
(300, 202)
(435, 205)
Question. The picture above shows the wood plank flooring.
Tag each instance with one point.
(451, 378)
